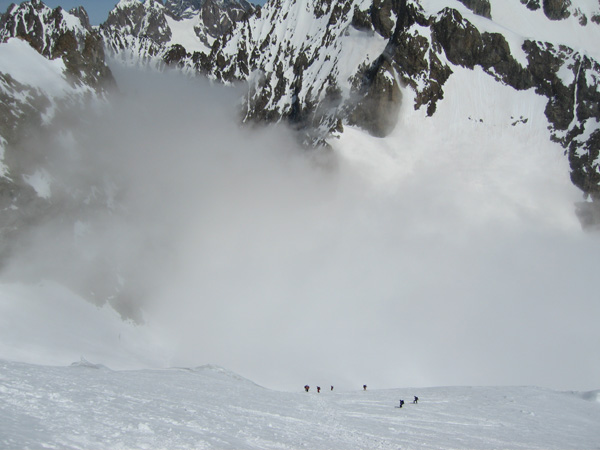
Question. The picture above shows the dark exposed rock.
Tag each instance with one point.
(544, 64)
(83, 17)
(556, 9)
(497, 60)
(584, 166)
(218, 18)
(533, 5)
(461, 41)
(175, 55)
(381, 17)
(146, 20)
(379, 100)
(480, 7)
(361, 20)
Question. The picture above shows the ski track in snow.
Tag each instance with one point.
(90, 406)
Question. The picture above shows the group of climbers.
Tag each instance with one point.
(307, 388)
(415, 399)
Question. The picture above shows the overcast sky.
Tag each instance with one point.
(97, 9)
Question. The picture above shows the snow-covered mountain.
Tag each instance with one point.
(154, 34)
(458, 137)
(89, 406)
(320, 65)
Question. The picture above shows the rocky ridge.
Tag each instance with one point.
(139, 32)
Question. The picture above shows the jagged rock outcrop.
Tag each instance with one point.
(140, 31)
(217, 17)
(53, 36)
(225, 12)
(142, 20)
(556, 9)
(479, 7)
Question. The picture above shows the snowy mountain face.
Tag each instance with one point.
(158, 35)
(55, 33)
(322, 64)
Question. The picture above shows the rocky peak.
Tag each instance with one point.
(218, 17)
(144, 20)
(42, 26)
(557, 9)
(55, 33)
(184, 8)
(82, 15)
(140, 31)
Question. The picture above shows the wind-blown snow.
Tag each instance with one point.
(89, 406)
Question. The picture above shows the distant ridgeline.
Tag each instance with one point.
(317, 65)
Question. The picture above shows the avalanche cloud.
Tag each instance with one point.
(446, 253)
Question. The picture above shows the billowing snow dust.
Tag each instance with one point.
(447, 253)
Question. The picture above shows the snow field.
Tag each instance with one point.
(90, 406)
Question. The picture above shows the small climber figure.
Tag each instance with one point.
(416, 400)
(401, 403)
(364, 387)
(306, 387)
(332, 388)
(318, 389)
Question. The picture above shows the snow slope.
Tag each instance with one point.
(27, 66)
(89, 406)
